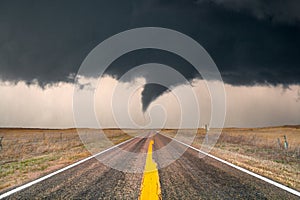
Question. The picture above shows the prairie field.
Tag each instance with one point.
(27, 154)
(260, 150)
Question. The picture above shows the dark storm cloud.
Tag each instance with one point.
(139, 57)
(276, 10)
(150, 93)
(251, 41)
(47, 40)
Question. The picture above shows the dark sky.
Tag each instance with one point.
(251, 41)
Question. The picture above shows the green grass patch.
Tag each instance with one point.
(27, 165)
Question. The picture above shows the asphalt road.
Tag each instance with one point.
(189, 177)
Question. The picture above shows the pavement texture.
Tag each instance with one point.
(188, 177)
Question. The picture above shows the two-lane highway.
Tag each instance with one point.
(189, 177)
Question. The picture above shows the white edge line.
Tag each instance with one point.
(242, 169)
(58, 171)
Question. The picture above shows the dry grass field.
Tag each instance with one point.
(30, 153)
(258, 150)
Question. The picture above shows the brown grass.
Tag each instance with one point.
(30, 153)
(257, 149)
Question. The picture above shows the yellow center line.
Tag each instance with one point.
(150, 188)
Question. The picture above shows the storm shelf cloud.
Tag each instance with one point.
(252, 42)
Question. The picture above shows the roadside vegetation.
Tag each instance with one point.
(27, 154)
(261, 150)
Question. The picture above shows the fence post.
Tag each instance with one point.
(1, 137)
(206, 133)
(286, 144)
